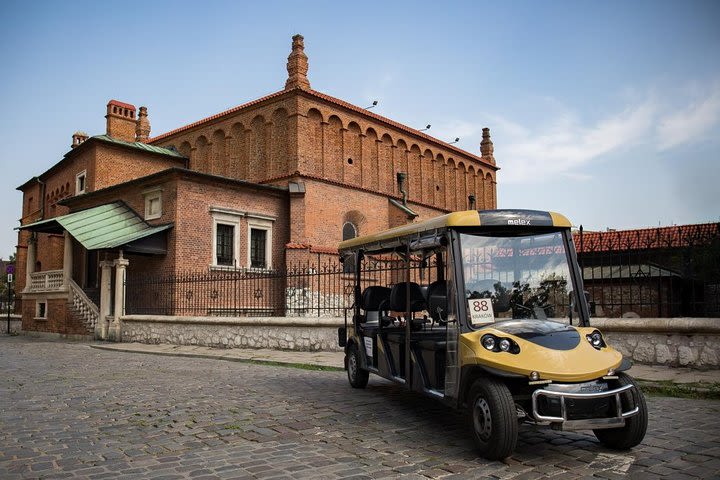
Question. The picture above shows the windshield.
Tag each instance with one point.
(515, 277)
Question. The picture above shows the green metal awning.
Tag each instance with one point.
(114, 225)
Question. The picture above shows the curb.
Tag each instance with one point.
(281, 363)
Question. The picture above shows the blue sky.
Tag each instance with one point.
(608, 112)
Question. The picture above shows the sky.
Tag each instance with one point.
(608, 112)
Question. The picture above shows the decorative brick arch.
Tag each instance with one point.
(218, 156)
(334, 151)
(386, 166)
(257, 165)
(370, 165)
(238, 151)
(200, 158)
(352, 154)
(279, 141)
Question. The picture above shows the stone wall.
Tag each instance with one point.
(686, 342)
(683, 342)
(284, 333)
(15, 324)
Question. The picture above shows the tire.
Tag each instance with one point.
(494, 418)
(357, 377)
(633, 432)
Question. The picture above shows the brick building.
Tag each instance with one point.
(263, 185)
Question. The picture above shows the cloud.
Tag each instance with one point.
(564, 144)
(691, 123)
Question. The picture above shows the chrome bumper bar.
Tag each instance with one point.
(607, 422)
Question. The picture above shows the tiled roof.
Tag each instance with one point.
(648, 238)
(336, 101)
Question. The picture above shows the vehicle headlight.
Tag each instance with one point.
(596, 340)
(494, 344)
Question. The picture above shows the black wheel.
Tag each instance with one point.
(633, 432)
(357, 377)
(494, 418)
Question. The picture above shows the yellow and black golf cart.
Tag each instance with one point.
(485, 310)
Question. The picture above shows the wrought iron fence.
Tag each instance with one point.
(317, 289)
(663, 272)
(666, 272)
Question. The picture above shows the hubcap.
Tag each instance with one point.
(352, 366)
(482, 419)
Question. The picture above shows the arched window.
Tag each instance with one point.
(349, 231)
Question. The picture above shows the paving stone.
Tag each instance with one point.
(86, 413)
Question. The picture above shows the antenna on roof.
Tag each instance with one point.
(375, 102)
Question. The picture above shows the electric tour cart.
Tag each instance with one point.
(484, 310)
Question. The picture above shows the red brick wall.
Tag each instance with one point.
(116, 165)
(317, 138)
(58, 319)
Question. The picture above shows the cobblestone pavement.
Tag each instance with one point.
(70, 411)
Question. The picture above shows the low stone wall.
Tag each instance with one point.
(683, 342)
(686, 342)
(15, 324)
(285, 333)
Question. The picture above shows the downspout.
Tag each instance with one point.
(401, 177)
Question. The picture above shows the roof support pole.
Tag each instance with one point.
(101, 329)
(119, 310)
(30, 259)
(67, 260)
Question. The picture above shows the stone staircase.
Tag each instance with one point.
(82, 307)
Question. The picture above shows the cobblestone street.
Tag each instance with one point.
(70, 411)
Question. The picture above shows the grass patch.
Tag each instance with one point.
(707, 391)
(301, 366)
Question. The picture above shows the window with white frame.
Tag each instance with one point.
(80, 182)
(225, 237)
(41, 310)
(153, 204)
(260, 242)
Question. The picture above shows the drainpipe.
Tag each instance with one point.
(401, 178)
(42, 198)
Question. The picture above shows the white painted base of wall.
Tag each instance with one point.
(15, 324)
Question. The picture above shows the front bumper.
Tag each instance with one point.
(614, 418)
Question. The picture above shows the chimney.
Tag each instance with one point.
(486, 146)
(297, 65)
(78, 138)
(142, 128)
(121, 121)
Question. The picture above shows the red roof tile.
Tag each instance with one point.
(648, 238)
(121, 104)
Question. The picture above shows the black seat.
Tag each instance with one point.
(437, 301)
(374, 301)
(398, 297)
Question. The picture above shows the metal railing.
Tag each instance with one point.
(663, 272)
(319, 289)
(667, 272)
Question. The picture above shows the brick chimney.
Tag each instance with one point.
(142, 128)
(297, 65)
(78, 138)
(121, 121)
(486, 146)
